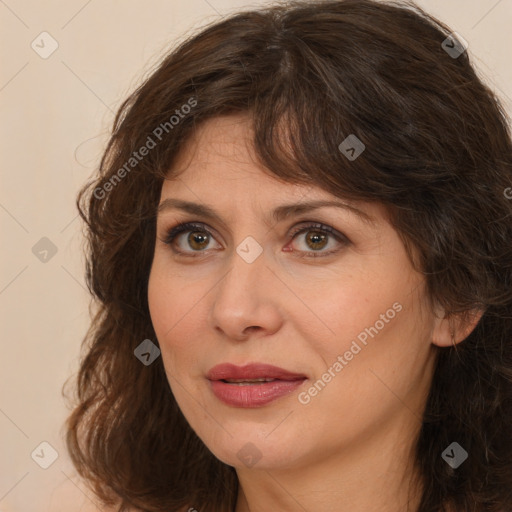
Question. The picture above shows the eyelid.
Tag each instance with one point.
(183, 227)
(302, 226)
(201, 226)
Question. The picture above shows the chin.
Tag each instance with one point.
(256, 449)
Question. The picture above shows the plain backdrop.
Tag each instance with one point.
(56, 111)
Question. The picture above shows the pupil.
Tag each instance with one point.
(314, 238)
(195, 236)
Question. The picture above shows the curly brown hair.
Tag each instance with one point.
(438, 155)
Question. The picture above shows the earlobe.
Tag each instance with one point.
(451, 330)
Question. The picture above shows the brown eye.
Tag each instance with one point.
(197, 240)
(317, 237)
(316, 240)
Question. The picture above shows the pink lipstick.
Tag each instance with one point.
(252, 385)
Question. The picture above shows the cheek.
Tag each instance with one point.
(344, 309)
(166, 297)
(175, 315)
(158, 302)
(175, 321)
(372, 321)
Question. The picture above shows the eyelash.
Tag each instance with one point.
(191, 226)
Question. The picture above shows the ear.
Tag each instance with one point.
(450, 330)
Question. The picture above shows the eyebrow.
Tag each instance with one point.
(278, 214)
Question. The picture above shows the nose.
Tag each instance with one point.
(246, 301)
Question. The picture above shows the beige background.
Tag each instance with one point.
(55, 116)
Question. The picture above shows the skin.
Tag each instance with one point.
(350, 447)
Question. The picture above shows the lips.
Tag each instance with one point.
(251, 372)
(253, 385)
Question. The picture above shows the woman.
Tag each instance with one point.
(299, 243)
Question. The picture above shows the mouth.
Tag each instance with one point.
(253, 385)
(254, 372)
(247, 382)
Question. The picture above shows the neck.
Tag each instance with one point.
(375, 475)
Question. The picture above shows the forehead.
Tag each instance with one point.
(217, 166)
(217, 163)
(221, 146)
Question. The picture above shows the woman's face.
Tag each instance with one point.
(343, 312)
